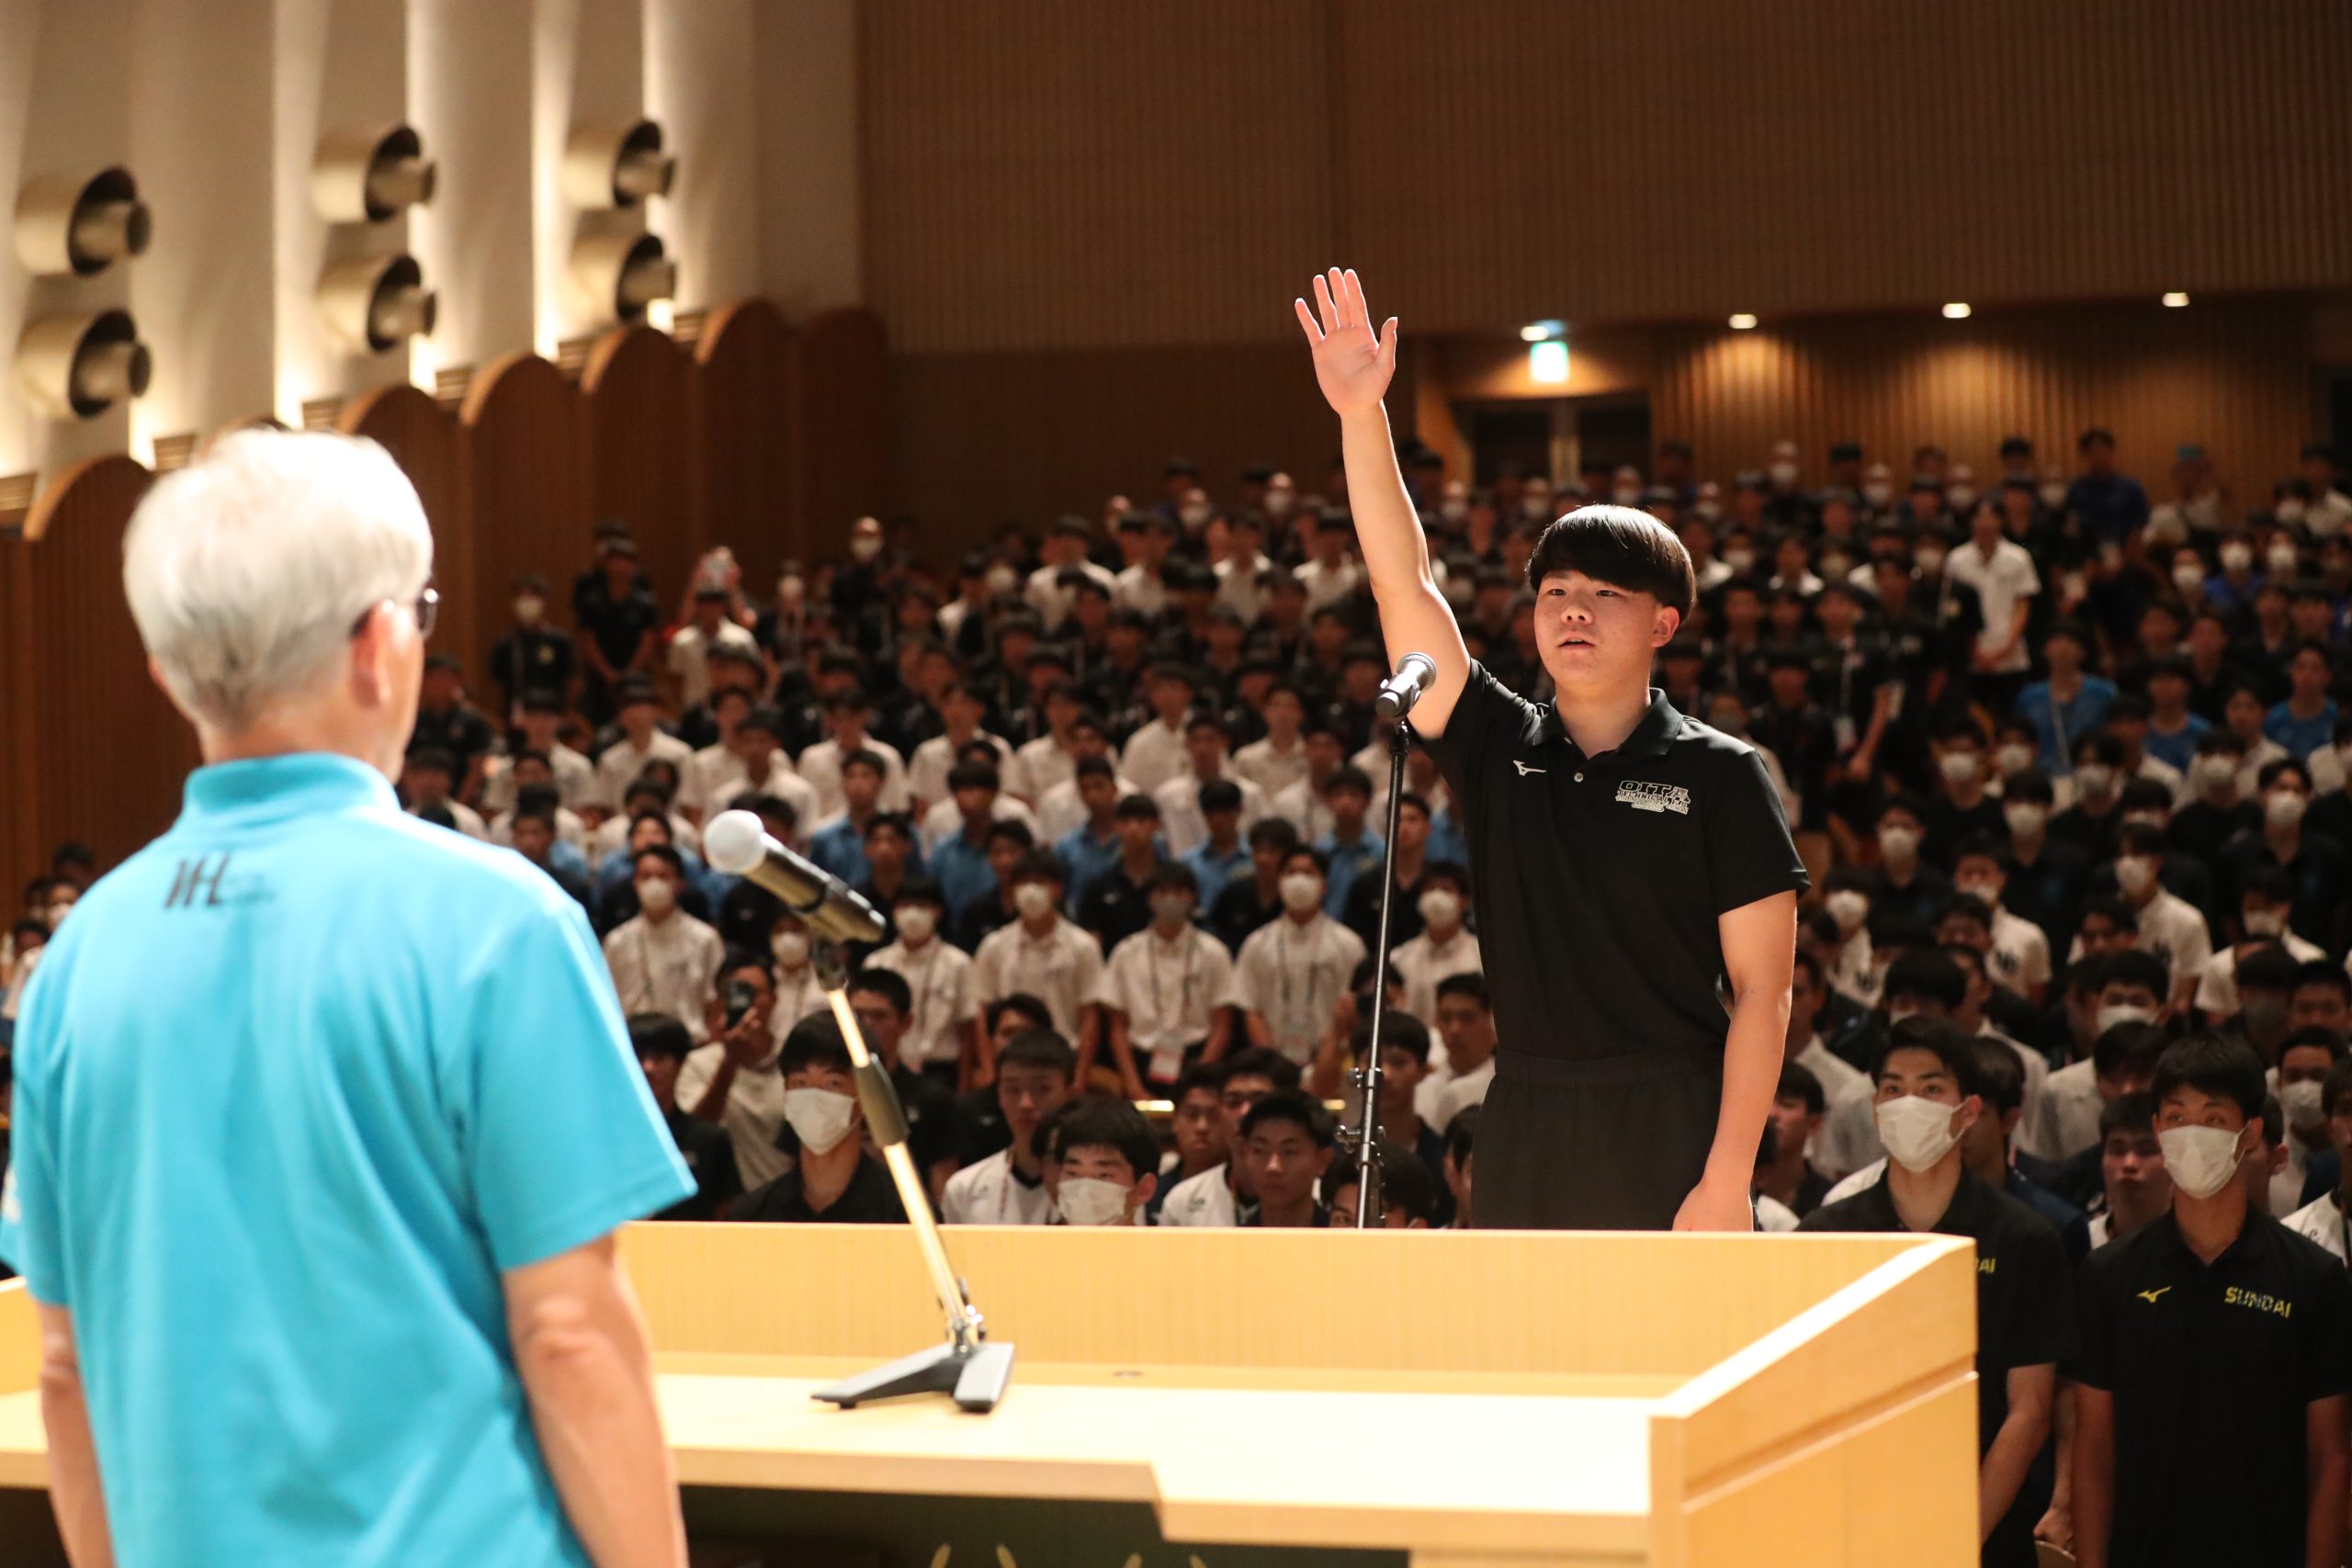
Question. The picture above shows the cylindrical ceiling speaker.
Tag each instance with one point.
(377, 303)
(369, 175)
(619, 275)
(616, 165)
(78, 366)
(81, 227)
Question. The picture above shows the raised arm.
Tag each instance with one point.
(1352, 366)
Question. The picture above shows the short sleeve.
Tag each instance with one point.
(1749, 852)
(562, 1138)
(2043, 1332)
(2093, 1363)
(2328, 1360)
(32, 1231)
(1486, 710)
(1241, 990)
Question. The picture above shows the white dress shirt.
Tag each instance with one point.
(1063, 968)
(1043, 764)
(670, 966)
(753, 1116)
(820, 764)
(990, 1193)
(1270, 768)
(622, 761)
(1184, 827)
(1202, 1199)
(1167, 988)
(1060, 812)
(939, 978)
(1292, 975)
(1153, 755)
(1422, 962)
(928, 769)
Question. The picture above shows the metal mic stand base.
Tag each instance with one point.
(976, 1376)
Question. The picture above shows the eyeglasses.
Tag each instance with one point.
(426, 608)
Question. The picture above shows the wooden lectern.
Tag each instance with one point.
(1238, 1397)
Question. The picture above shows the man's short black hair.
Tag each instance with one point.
(664, 854)
(1038, 864)
(1136, 808)
(1926, 972)
(2000, 1075)
(1172, 876)
(2272, 968)
(1940, 1037)
(1041, 1048)
(1402, 1030)
(1012, 831)
(1296, 1107)
(973, 776)
(1020, 1002)
(814, 1042)
(1277, 832)
(2211, 1065)
(659, 1035)
(1469, 984)
(2133, 966)
(2331, 1092)
(1094, 1122)
(1348, 776)
(896, 822)
(2129, 1049)
(1219, 794)
(888, 984)
(867, 757)
(2324, 972)
(1619, 546)
(2128, 1113)
(2099, 436)
(1799, 1082)
(1259, 1062)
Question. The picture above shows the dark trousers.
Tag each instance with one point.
(1613, 1145)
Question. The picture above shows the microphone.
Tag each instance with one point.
(734, 842)
(1402, 690)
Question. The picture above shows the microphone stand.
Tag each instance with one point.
(1365, 1135)
(969, 1366)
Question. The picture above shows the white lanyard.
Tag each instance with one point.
(1184, 980)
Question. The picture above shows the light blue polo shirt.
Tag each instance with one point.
(293, 1086)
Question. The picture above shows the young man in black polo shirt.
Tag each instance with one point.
(2216, 1355)
(834, 1179)
(1928, 1103)
(1636, 881)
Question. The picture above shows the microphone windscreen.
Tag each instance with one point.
(734, 842)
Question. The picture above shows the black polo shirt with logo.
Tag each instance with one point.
(2211, 1368)
(2025, 1317)
(870, 1199)
(1598, 879)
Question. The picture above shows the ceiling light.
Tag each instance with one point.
(1548, 361)
(1956, 311)
(2176, 299)
(1539, 331)
(1742, 322)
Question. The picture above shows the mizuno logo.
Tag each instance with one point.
(1524, 769)
(2150, 1296)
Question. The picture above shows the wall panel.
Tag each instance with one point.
(102, 754)
(1069, 175)
(2231, 377)
(742, 423)
(638, 395)
(523, 457)
(423, 439)
(837, 396)
(986, 439)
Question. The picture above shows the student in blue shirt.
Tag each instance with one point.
(960, 864)
(325, 1118)
(1223, 856)
(1090, 850)
(840, 844)
(2068, 703)
(1355, 850)
(2306, 720)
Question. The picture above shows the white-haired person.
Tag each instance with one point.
(325, 1117)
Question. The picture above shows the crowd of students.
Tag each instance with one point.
(2067, 765)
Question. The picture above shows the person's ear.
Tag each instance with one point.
(1970, 1109)
(1662, 627)
(1323, 1162)
(1141, 1192)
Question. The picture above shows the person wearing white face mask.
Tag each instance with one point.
(2263, 1313)
(798, 992)
(1850, 968)
(833, 1179)
(942, 1036)
(2168, 925)
(663, 959)
(1291, 974)
(1163, 989)
(1043, 955)
(1444, 948)
(533, 658)
(2068, 705)
(2064, 1121)
(1926, 1102)
(2263, 906)
(2305, 1058)
(1903, 880)
(1108, 1161)
(2314, 866)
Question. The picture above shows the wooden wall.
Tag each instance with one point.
(512, 479)
(2231, 375)
(1063, 174)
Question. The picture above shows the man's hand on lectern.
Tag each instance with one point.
(1720, 1206)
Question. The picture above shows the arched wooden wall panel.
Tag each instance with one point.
(839, 399)
(522, 451)
(639, 391)
(423, 439)
(744, 419)
(108, 752)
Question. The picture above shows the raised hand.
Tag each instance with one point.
(1352, 365)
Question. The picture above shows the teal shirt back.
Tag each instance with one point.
(293, 1087)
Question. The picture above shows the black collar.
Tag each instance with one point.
(2251, 1245)
(1656, 731)
(1961, 1216)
